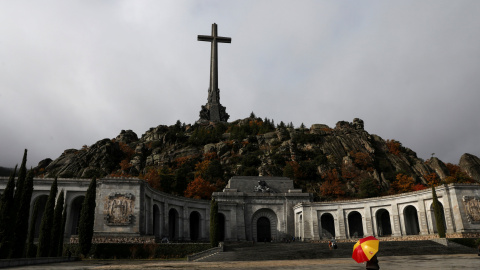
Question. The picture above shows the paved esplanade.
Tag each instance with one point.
(456, 261)
(213, 110)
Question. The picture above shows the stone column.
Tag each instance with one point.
(422, 216)
(340, 225)
(314, 224)
(184, 224)
(165, 232)
(368, 221)
(395, 221)
(447, 208)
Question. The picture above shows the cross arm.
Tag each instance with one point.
(224, 39)
(204, 38)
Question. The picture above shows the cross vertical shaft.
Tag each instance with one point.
(213, 110)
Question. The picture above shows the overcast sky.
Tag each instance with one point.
(75, 72)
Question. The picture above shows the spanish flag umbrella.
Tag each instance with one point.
(365, 249)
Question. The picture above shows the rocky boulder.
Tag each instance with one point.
(471, 165)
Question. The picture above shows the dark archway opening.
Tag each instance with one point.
(156, 221)
(434, 220)
(221, 227)
(384, 227)
(355, 226)
(194, 226)
(75, 211)
(263, 230)
(411, 221)
(172, 224)
(328, 226)
(42, 201)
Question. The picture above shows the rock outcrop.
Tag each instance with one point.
(471, 165)
(252, 146)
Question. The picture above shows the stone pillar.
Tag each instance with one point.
(340, 225)
(314, 224)
(447, 209)
(368, 221)
(165, 231)
(184, 224)
(422, 216)
(395, 221)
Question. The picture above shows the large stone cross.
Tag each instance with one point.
(213, 110)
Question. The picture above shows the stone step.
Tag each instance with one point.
(304, 250)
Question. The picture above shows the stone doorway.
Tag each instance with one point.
(41, 201)
(221, 227)
(328, 226)
(411, 220)
(355, 225)
(172, 224)
(434, 220)
(75, 211)
(194, 226)
(263, 230)
(384, 227)
(156, 221)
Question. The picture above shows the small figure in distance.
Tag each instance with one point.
(330, 245)
(373, 263)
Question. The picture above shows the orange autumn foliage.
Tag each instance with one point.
(394, 147)
(432, 179)
(403, 184)
(199, 189)
(331, 186)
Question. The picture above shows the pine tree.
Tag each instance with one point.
(57, 226)
(23, 213)
(87, 219)
(45, 236)
(7, 216)
(214, 223)
(31, 250)
(439, 218)
(62, 231)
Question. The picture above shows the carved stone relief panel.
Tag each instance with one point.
(472, 208)
(118, 209)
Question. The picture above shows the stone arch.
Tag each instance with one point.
(355, 224)
(269, 216)
(384, 226)
(75, 210)
(221, 227)
(327, 225)
(434, 220)
(195, 225)
(156, 221)
(173, 224)
(411, 220)
(42, 200)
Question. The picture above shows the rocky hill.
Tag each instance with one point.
(343, 161)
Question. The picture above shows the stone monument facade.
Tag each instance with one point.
(213, 110)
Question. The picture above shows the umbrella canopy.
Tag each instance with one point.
(365, 249)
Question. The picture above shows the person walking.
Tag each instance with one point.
(373, 263)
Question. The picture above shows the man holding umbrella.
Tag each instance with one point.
(364, 251)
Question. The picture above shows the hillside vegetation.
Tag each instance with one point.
(195, 160)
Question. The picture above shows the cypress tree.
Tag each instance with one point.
(31, 250)
(22, 173)
(439, 218)
(45, 236)
(214, 223)
(62, 232)
(23, 213)
(7, 216)
(57, 225)
(87, 219)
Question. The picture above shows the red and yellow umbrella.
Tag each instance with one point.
(365, 249)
